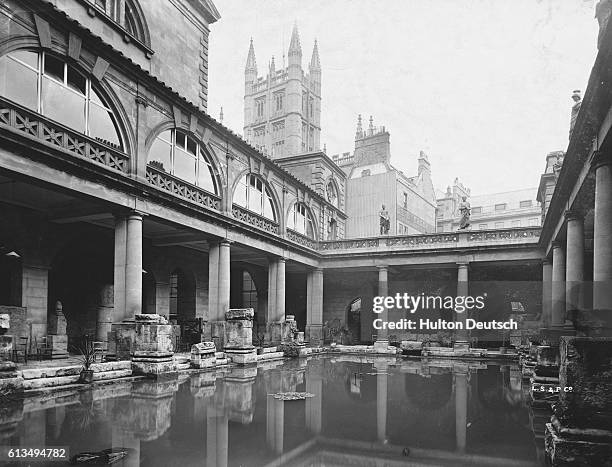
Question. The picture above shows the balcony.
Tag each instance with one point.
(36, 126)
(249, 217)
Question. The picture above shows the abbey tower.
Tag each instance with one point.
(282, 111)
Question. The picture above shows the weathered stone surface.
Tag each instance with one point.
(5, 321)
(50, 382)
(240, 313)
(114, 374)
(203, 348)
(153, 368)
(567, 452)
(242, 356)
(153, 338)
(12, 384)
(150, 319)
(51, 372)
(586, 367)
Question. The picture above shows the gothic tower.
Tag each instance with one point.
(282, 111)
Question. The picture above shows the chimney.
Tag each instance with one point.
(424, 165)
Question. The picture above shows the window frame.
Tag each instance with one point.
(91, 89)
(265, 195)
(292, 220)
(198, 156)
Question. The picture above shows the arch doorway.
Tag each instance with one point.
(353, 320)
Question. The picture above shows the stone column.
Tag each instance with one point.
(314, 306)
(558, 285)
(546, 316)
(462, 335)
(133, 266)
(271, 311)
(461, 407)
(224, 279)
(105, 313)
(280, 290)
(382, 338)
(213, 281)
(119, 274)
(574, 268)
(381, 401)
(602, 234)
(275, 424)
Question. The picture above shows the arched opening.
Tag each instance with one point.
(179, 154)
(300, 220)
(127, 14)
(331, 192)
(353, 320)
(182, 297)
(49, 85)
(253, 193)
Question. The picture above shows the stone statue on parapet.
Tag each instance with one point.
(385, 221)
(465, 210)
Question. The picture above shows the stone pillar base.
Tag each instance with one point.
(381, 346)
(461, 345)
(214, 331)
(153, 366)
(574, 450)
(279, 333)
(59, 345)
(314, 334)
(242, 356)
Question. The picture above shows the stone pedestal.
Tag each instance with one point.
(239, 336)
(152, 345)
(314, 334)
(10, 380)
(580, 432)
(57, 338)
(203, 355)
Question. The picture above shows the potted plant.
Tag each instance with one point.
(88, 357)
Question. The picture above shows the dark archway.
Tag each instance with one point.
(10, 277)
(353, 320)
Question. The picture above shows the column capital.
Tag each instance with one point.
(600, 159)
(382, 267)
(317, 271)
(573, 215)
(546, 261)
(463, 264)
(557, 244)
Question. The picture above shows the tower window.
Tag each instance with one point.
(278, 100)
(259, 107)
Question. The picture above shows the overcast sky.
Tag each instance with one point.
(482, 86)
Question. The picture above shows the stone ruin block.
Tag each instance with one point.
(239, 329)
(203, 355)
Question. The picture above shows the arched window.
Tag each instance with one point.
(175, 152)
(131, 20)
(52, 87)
(253, 194)
(300, 221)
(332, 193)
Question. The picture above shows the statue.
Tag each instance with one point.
(385, 221)
(465, 210)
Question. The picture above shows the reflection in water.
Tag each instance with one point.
(364, 412)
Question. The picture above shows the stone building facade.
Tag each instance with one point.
(518, 208)
(372, 181)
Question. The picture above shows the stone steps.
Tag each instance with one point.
(268, 356)
(38, 378)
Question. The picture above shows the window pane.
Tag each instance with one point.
(18, 83)
(184, 165)
(205, 177)
(76, 80)
(63, 105)
(268, 210)
(54, 67)
(159, 155)
(254, 200)
(240, 194)
(180, 140)
(102, 125)
(192, 146)
(291, 219)
(29, 58)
